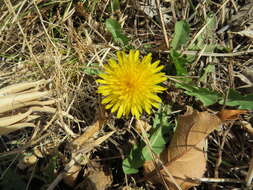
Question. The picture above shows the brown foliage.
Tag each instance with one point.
(185, 157)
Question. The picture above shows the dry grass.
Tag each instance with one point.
(65, 41)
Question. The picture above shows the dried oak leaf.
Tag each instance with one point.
(98, 178)
(225, 115)
(185, 156)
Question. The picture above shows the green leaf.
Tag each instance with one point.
(236, 99)
(134, 160)
(206, 39)
(206, 96)
(180, 38)
(115, 5)
(162, 116)
(157, 142)
(92, 69)
(141, 152)
(209, 69)
(181, 35)
(114, 28)
(179, 62)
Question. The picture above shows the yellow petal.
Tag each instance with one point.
(120, 111)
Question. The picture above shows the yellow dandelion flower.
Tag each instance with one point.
(131, 85)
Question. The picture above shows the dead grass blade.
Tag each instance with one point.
(16, 97)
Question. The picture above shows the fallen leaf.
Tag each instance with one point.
(85, 141)
(185, 157)
(91, 130)
(225, 115)
(96, 179)
(71, 175)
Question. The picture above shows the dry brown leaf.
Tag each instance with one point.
(225, 115)
(90, 131)
(97, 178)
(185, 156)
(71, 175)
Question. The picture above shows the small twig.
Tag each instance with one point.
(56, 181)
(217, 54)
(250, 173)
(219, 159)
(163, 24)
(217, 180)
(206, 54)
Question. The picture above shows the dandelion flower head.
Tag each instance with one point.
(130, 85)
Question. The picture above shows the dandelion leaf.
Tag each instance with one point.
(114, 28)
(181, 35)
(236, 99)
(141, 152)
(208, 32)
(179, 62)
(206, 96)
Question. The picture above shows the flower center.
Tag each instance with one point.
(129, 84)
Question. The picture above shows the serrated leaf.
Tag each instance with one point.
(179, 62)
(115, 29)
(181, 34)
(206, 96)
(161, 116)
(236, 99)
(206, 39)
